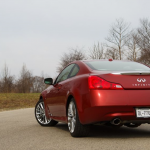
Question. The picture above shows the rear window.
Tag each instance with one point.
(116, 66)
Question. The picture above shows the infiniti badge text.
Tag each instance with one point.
(141, 85)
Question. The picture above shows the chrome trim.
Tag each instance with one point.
(142, 79)
(132, 73)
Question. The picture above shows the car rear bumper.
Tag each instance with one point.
(106, 105)
(106, 114)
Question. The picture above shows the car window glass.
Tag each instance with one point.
(64, 74)
(117, 66)
(74, 71)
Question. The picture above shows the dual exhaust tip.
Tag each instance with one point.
(116, 122)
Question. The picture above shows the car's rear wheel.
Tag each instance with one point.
(75, 127)
(40, 115)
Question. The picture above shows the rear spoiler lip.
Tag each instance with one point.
(132, 73)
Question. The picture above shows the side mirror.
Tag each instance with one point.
(48, 81)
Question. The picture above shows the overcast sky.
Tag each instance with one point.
(38, 32)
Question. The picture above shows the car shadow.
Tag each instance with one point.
(100, 131)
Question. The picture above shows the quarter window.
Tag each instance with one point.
(74, 71)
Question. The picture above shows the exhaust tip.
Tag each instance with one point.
(116, 121)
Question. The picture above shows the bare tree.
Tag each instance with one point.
(6, 83)
(38, 84)
(144, 41)
(25, 82)
(144, 59)
(117, 38)
(97, 51)
(74, 54)
(133, 48)
(112, 53)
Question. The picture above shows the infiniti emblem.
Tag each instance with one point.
(141, 80)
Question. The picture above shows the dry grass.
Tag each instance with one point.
(9, 101)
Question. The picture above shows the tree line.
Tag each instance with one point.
(121, 43)
(26, 83)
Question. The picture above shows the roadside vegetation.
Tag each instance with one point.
(10, 101)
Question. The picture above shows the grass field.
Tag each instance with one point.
(9, 101)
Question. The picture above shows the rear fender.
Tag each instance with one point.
(79, 92)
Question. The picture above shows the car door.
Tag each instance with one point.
(54, 99)
(65, 87)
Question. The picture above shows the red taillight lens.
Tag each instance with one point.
(96, 82)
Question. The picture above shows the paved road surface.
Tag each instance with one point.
(20, 131)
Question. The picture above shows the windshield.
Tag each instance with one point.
(116, 66)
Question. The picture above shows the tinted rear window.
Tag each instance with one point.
(116, 66)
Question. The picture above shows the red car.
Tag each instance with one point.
(108, 92)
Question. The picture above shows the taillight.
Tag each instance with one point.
(96, 82)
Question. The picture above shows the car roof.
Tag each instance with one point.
(89, 60)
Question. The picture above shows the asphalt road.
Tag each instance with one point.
(20, 131)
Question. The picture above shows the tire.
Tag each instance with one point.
(40, 115)
(76, 129)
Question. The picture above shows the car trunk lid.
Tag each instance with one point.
(128, 79)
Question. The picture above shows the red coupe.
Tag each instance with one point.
(108, 92)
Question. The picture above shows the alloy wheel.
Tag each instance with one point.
(71, 117)
(40, 114)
